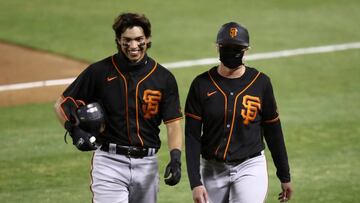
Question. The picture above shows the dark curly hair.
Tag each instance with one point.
(129, 20)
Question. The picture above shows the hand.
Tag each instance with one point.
(286, 193)
(200, 194)
(82, 139)
(173, 169)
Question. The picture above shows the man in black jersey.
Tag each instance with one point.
(136, 94)
(229, 109)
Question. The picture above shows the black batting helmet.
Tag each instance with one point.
(91, 117)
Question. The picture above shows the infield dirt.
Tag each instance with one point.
(22, 65)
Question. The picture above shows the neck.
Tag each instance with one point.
(128, 65)
(231, 73)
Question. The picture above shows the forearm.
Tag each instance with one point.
(174, 135)
(58, 111)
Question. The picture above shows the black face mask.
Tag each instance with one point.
(231, 57)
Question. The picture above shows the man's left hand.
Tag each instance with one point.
(173, 169)
(286, 193)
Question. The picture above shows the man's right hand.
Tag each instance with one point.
(81, 139)
(200, 194)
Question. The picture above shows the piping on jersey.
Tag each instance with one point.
(222, 92)
(62, 110)
(193, 116)
(273, 120)
(75, 102)
(136, 102)
(126, 98)
(172, 120)
(225, 105)
(234, 112)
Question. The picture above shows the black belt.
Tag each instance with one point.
(239, 161)
(130, 151)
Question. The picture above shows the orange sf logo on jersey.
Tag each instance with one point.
(151, 103)
(252, 105)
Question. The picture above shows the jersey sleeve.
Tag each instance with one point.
(269, 107)
(193, 103)
(82, 88)
(273, 134)
(171, 109)
(193, 125)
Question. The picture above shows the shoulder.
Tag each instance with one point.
(205, 76)
(164, 71)
(261, 76)
(100, 65)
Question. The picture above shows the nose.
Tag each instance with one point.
(133, 44)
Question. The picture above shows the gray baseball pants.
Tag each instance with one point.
(121, 179)
(236, 183)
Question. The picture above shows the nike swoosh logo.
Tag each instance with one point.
(211, 93)
(111, 78)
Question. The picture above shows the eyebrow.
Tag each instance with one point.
(136, 38)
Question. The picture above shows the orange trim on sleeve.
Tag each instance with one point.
(234, 112)
(273, 120)
(61, 108)
(81, 102)
(172, 120)
(193, 116)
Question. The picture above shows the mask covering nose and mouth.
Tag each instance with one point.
(231, 57)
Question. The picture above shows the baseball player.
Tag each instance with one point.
(229, 109)
(136, 94)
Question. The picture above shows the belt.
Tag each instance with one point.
(129, 151)
(239, 161)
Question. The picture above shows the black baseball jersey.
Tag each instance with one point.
(135, 99)
(233, 115)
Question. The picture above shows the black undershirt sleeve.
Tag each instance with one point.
(193, 150)
(275, 141)
(273, 134)
(193, 126)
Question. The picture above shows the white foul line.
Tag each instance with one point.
(201, 62)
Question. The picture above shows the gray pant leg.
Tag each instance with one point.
(110, 178)
(215, 177)
(250, 181)
(243, 183)
(145, 180)
(119, 179)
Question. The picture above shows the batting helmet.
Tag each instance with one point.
(233, 33)
(91, 118)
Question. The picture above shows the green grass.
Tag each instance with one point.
(318, 95)
(318, 100)
(181, 29)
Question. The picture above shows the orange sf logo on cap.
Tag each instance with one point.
(233, 32)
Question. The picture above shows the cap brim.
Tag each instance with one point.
(233, 41)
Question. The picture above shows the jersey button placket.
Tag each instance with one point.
(229, 116)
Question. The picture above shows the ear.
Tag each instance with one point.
(117, 40)
(246, 49)
(217, 48)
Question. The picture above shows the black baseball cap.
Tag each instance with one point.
(233, 33)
